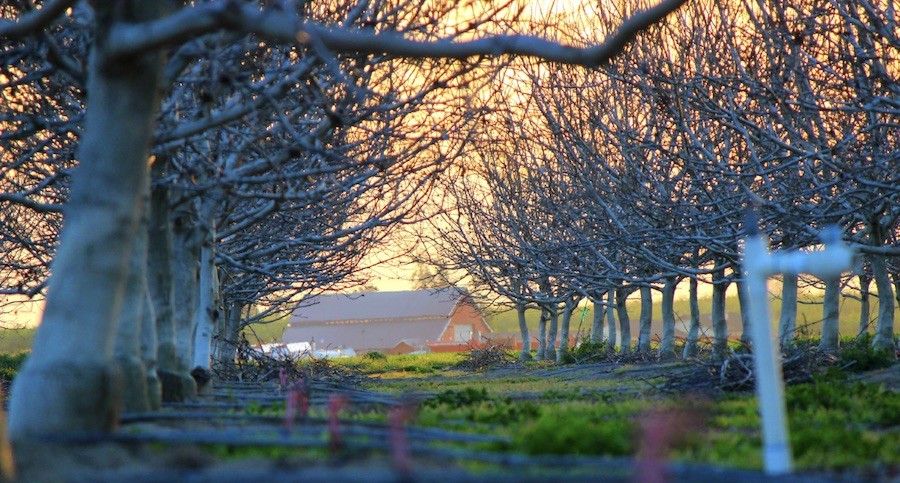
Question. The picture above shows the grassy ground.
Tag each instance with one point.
(838, 422)
(521, 420)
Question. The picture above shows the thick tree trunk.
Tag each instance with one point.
(667, 346)
(69, 382)
(611, 318)
(743, 302)
(690, 344)
(542, 334)
(787, 323)
(525, 354)
(599, 317)
(719, 322)
(185, 265)
(831, 304)
(127, 352)
(884, 332)
(571, 304)
(865, 309)
(624, 321)
(553, 321)
(646, 320)
(177, 383)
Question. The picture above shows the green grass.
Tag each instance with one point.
(16, 340)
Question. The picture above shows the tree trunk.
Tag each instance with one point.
(228, 339)
(624, 321)
(525, 354)
(542, 334)
(743, 302)
(611, 318)
(646, 320)
(127, 351)
(719, 322)
(185, 255)
(553, 313)
(150, 351)
(571, 304)
(884, 332)
(667, 346)
(597, 325)
(177, 383)
(831, 315)
(690, 344)
(207, 313)
(69, 383)
(865, 310)
(787, 323)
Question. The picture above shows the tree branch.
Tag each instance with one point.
(132, 39)
(34, 20)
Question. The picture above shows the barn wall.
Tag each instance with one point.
(465, 313)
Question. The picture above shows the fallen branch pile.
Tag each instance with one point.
(487, 357)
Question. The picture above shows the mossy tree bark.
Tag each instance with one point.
(646, 320)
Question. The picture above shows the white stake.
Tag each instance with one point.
(758, 265)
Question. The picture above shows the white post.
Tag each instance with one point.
(758, 265)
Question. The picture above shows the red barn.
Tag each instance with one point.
(390, 322)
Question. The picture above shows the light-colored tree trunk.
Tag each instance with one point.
(719, 322)
(787, 322)
(646, 320)
(207, 313)
(599, 317)
(622, 293)
(831, 304)
(865, 309)
(69, 382)
(667, 345)
(552, 330)
(743, 302)
(570, 305)
(884, 332)
(690, 344)
(542, 335)
(525, 354)
(127, 351)
(611, 318)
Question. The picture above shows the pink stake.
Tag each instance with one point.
(399, 445)
(336, 402)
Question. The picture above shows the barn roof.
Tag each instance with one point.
(372, 335)
(374, 320)
(371, 306)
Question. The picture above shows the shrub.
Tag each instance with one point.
(860, 356)
(376, 356)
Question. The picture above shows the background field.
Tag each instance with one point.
(809, 315)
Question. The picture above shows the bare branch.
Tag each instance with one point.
(130, 39)
(34, 20)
